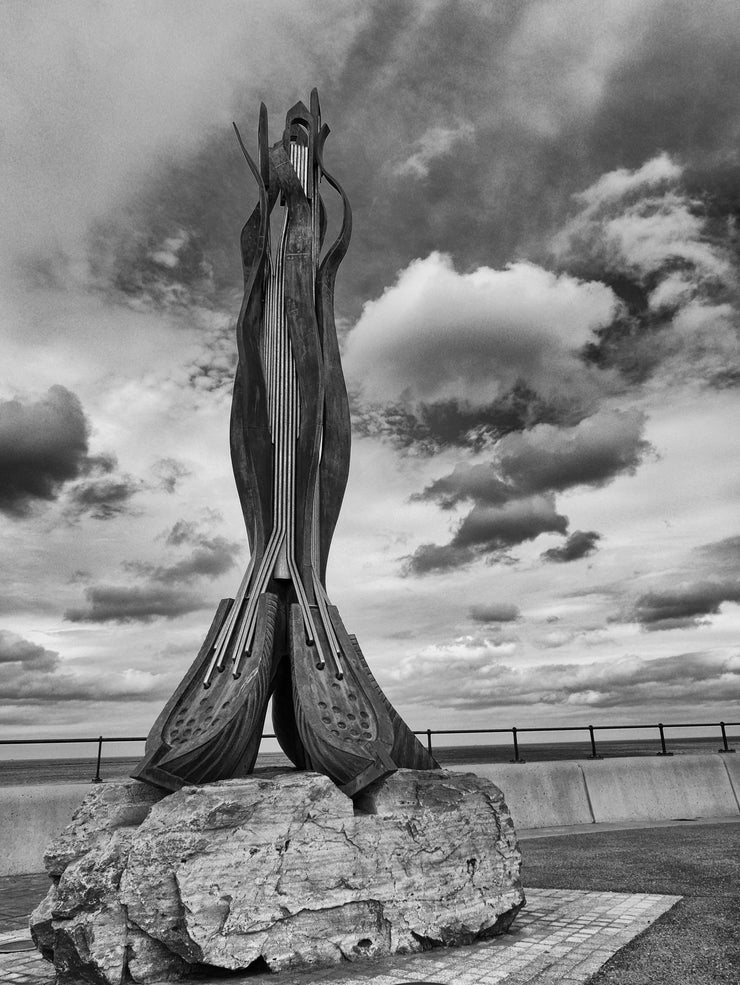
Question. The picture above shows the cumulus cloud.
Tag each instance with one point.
(494, 612)
(581, 543)
(642, 232)
(437, 335)
(479, 676)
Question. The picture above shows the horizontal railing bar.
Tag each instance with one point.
(446, 731)
(116, 738)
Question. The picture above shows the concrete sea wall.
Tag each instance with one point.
(598, 791)
(30, 818)
(539, 795)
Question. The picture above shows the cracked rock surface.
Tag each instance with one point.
(275, 873)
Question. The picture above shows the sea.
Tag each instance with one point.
(83, 769)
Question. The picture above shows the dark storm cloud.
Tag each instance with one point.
(463, 127)
(43, 445)
(479, 678)
(581, 543)
(480, 482)
(494, 612)
(493, 528)
(44, 457)
(135, 603)
(490, 531)
(513, 495)
(687, 605)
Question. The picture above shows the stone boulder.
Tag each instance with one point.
(278, 872)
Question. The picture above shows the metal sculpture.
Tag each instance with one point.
(280, 636)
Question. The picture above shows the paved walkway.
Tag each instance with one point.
(561, 938)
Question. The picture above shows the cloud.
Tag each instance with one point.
(31, 674)
(546, 458)
(161, 590)
(212, 557)
(16, 650)
(43, 444)
(686, 605)
(494, 528)
(721, 555)
(433, 143)
(102, 498)
(44, 457)
(430, 427)
(478, 676)
(581, 543)
(438, 335)
(513, 494)
(112, 93)
(673, 266)
(490, 530)
(480, 482)
(494, 612)
(135, 603)
(168, 473)
(592, 453)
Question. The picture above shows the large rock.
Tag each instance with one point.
(279, 872)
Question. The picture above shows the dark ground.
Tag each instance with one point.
(695, 943)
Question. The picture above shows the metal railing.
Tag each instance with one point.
(514, 732)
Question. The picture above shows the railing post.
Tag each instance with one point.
(663, 750)
(429, 741)
(594, 754)
(97, 778)
(725, 748)
(516, 758)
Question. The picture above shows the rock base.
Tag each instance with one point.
(275, 872)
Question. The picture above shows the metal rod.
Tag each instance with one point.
(97, 778)
(516, 758)
(594, 754)
(429, 741)
(663, 750)
(725, 746)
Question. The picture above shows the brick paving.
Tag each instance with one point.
(562, 937)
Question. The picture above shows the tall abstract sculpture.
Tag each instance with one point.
(290, 442)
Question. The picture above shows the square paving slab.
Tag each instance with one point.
(562, 937)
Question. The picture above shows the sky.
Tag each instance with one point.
(539, 323)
